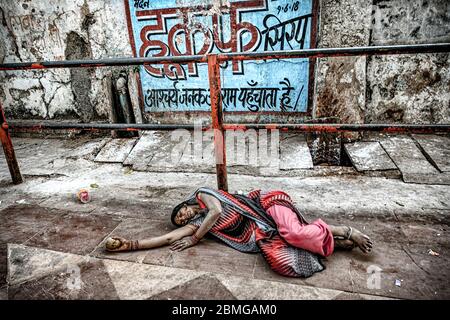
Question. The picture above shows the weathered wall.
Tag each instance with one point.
(401, 88)
(410, 89)
(59, 30)
(341, 82)
(355, 89)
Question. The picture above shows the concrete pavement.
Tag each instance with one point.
(51, 246)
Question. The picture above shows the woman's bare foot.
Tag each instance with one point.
(344, 244)
(345, 233)
(362, 241)
(116, 244)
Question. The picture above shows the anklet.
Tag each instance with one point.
(349, 233)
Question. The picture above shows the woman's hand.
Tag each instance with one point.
(184, 243)
(114, 244)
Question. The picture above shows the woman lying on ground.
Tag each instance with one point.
(265, 222)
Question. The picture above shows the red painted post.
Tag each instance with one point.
(217, 122)
(8, 148)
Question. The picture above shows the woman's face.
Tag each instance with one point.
(184, 215)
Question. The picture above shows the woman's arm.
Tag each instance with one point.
(214, 211)
(167, 239)
(121, 244)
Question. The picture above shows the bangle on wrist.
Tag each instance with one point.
(134, 245)
(195, 238)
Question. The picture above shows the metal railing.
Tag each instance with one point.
(213, 61)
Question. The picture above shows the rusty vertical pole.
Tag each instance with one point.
(8, 148)
(217, 122)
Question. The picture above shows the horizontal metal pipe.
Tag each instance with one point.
(95, 126)
(306, 53)
(100, 62)
(306, 127)
(337, 127)
(337, 52)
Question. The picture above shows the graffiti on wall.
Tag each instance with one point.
(38, 34)
(164, 28)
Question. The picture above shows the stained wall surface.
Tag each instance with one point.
(403, 89)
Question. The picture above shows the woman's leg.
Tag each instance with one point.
(316, 237)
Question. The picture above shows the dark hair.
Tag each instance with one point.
(175, 210)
